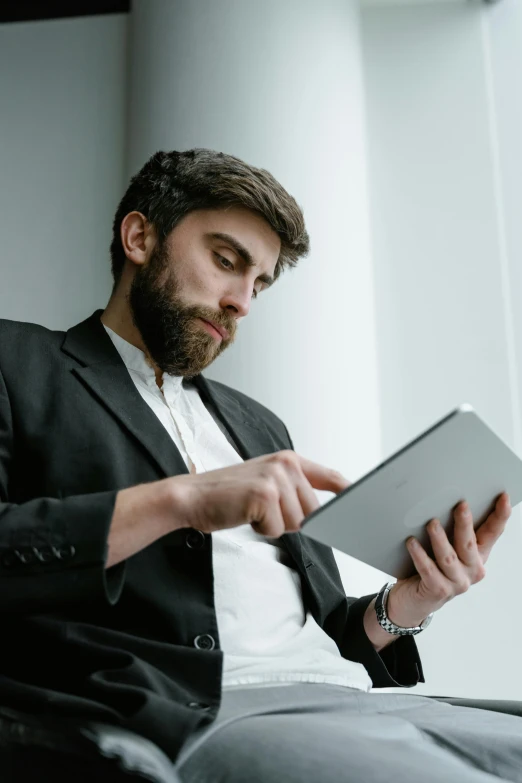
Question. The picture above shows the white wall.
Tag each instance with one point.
(279, 84)
(395, 3)
(444, 329)
(502, 37)
(62, 141)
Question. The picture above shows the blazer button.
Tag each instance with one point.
(27, 556)
(64, 552)
(197, 705)
(9, 559)
(195, 539)
(44, 554)
(204, 642)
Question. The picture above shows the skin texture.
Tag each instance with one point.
(166, 288)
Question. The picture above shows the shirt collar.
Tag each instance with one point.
(136, 361)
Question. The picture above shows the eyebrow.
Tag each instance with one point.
(243, 253)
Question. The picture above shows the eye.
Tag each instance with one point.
(226, 264)
(224, 261)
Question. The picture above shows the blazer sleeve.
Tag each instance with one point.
(397, 665)
(52, 552)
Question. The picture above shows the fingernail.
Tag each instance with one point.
(464, 509)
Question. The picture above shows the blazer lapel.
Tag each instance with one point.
(107, 377)
(250, 433)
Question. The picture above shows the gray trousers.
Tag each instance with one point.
(332, 734)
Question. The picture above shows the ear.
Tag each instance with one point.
(138, 237)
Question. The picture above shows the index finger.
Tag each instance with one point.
(321, 477)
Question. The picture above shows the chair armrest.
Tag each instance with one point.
(36, 748)
(495, 705)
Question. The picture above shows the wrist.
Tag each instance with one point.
(375, 633)
(173, 501)
(403, 610)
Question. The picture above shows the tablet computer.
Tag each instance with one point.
(459, 458)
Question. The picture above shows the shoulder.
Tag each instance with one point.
(20, 340)
(26, 329)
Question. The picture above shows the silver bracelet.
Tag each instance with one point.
(381, 603)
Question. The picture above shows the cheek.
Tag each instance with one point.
(200, 281)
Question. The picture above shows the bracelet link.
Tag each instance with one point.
(384, 621)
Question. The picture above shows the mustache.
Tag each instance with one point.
(227, 322)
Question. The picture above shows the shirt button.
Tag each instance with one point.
(195, 539)
(204, 642)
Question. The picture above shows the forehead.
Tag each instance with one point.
(247, 227)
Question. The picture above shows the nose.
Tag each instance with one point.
(237, 301)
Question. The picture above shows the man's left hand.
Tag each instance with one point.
(454, 566)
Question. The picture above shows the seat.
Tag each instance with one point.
(37, 751)
(495, 705)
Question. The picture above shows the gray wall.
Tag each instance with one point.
(62, 145)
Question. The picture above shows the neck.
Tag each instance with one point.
(117, 317)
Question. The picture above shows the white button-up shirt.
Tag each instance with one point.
(265, 633)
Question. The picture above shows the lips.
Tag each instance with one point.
(220, 329)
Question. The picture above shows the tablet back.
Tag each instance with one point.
(459, 458)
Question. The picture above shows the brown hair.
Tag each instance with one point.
(172, 184)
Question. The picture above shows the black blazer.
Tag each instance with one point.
(118, 645)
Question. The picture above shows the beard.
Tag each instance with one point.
(175, 340)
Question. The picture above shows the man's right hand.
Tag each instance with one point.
(274, 493)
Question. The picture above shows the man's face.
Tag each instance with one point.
(202, 272)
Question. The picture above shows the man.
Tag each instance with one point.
(154, 575)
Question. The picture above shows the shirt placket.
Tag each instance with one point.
(187, 435)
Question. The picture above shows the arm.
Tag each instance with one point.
(81, 535)
(395, 665)
(157, 503)
(377, 635)
(55, 553)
